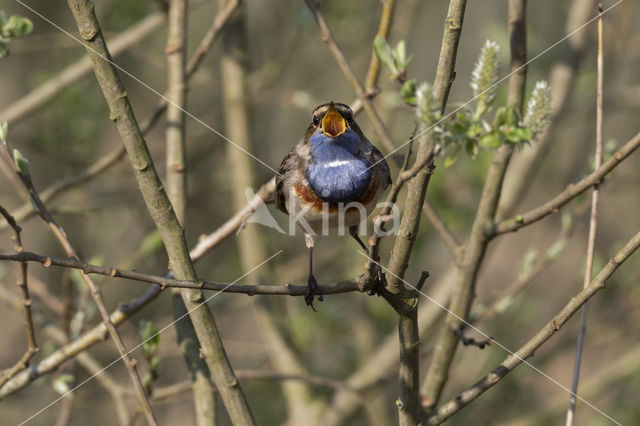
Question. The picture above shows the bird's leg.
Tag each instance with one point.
(353, 231)
(312, 285)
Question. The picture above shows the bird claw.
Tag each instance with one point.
(380, 284)
(313, 289)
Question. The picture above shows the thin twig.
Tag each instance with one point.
(445, 233)
(176, 181)
(160, 209)
(528, 349)
(166, 282)
(572, 191)
(96, 294)
(103, 164)
(126, 310)
(343, 63)
(562, 79)
(32, 344)
(38, 97)
(386, 18)
(593, 224)
(469, 264)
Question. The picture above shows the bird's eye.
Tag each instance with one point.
(316, 120)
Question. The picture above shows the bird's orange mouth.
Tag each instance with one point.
(333, 124)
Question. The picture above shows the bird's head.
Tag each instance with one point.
(333, 121)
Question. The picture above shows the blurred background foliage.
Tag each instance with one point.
(290, 72)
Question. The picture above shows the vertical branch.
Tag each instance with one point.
(176, 159)
(96, 294)
(475, 249)
(301, 403)
(32, 345)
(383, 31)
(176, 93)
(161, 211)
(343, 63)
(523, 166)
(593, 224)
(409, 404)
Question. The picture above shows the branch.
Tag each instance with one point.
(410, 400)
(160, 209)
(593, 224)
(176, 180)
(32, 344)
(572, 191)
(96, 294)
(477, 244)
(44, 93)
(165, 282)
(527, 350)
(126, 310)
(343, 63)
(448, 237)
(526, 162)
(219, 22)
(383, 31)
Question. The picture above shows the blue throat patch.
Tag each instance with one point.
(337, 172)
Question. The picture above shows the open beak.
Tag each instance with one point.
(333, 124)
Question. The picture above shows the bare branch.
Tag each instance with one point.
(527, 350)
(593, 224)
(344, 65)
(160, 209)
(96, 294)
(32, 344)
(477, 244)
(571, 192)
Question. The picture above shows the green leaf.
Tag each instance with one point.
(21, 162)
(492, 140)
(451, 158)
(3, 131)
(17, 26)
(408, 92)
(384, 54)
(152, 243)
(471, 148)
(529, 261)
(63, 383)
(500, 118)
(401, 52)
(554, 251)
(149, 337)
(513, 117)
(474, 131)
(4, 49)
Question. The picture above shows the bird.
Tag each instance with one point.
(331, 178)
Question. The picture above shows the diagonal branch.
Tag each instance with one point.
(471, 260)
(98, 333)
(32, 345)
(344, 65)
(61, 236)
(528, 349)
(218, 24)
(571, 192)
(160, 210)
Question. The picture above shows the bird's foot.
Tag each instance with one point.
(380, 283)
(313, 289)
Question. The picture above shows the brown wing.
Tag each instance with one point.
(379, 164)
(286, 170)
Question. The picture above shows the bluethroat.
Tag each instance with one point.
(331, 178)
